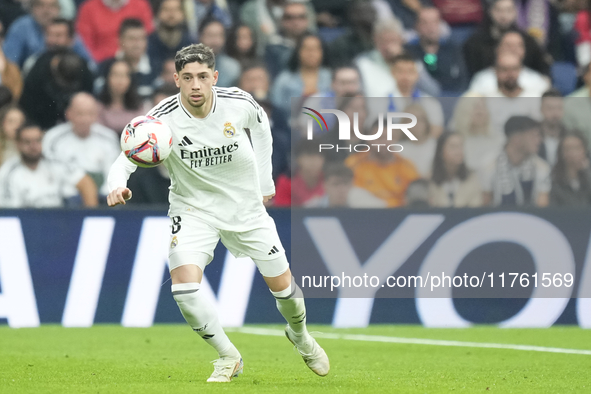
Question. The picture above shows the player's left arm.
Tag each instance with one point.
(262, 143)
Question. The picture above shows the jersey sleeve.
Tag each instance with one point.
(120, 172)
(262, 143)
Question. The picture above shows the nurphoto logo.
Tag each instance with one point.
(392, 122)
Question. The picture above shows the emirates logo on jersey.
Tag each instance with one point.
(229, 130)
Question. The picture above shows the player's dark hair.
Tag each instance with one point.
(519, 124)
(294, 62)
(198, 53)
(131, 98)
(439, 171)
(130, 23)
(27, 125)
(63, 21)
(338, 170)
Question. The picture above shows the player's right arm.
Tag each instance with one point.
(117, 181)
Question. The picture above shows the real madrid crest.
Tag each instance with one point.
(174, 242)
(229, 130)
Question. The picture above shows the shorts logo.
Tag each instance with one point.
(174, 242)
(229, 130)
(273, 250)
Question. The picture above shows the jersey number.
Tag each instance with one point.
(176, 224)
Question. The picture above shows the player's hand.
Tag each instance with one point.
(267, 198)
(118, 196)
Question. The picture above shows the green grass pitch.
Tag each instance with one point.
(173, 359)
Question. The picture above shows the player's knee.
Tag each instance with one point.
(279, 282)
(188, 273)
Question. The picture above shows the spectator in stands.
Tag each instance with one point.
(339, 191)
(508, 69)
(59, 33)
(99, 24)
(306, 75)
(31, 180)
(359, 38)
(422, 151)
(552, 125)
(571, 176)
(479, 49)
(463, 17)
(11, 118)
(50, 84)
(171, 33)
(213, 34)
(577, 114)
(307, 181)
(518, 176)
(133, 45)
(242, 46)
(255, 80)
(452, 183)
(472, 120)
(119, 99)
(374, 65)
(295, 22)
(26, 35)
(354, 106)
(166, 76)
(441, 58)
(485, 81)
(406, 74)
(199, 11)
(83, 142)
(346, 82)
(10, 75)
(383, 172)
(264, 18)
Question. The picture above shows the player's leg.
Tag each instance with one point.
(186, 271)
(264, 247)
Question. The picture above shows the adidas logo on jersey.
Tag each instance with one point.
(185, 141)
(274, 250)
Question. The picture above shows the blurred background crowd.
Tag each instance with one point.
(500, 88)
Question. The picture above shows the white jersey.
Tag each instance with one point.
(44, 187)
(93, 154)
(220, 165)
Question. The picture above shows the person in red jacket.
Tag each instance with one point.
(98, 23)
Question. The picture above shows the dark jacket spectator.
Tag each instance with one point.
(479, 49)
(52, 81)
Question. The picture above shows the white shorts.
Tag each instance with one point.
(192, 237)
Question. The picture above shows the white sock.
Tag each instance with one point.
(291, 305)
(203, 318)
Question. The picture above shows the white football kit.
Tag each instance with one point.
(220, 169)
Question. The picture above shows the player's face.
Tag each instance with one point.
(195, 81)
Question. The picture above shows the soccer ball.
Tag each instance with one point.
(146, 141)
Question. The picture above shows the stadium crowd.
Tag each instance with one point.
(500, 89)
